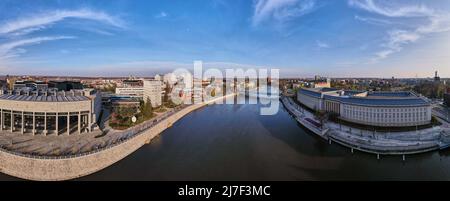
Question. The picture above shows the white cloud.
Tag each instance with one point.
(322, 44)
(162, 14)
(39, 21)
(12, 49)
(392, 10)
(281, 10)
(398, 38)
(372, 20)
(14, 31)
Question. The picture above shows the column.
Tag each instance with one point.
(1, 119)
(45, 123)
(23, 120)
(79, 122)
(56, 117)
(89, 121)
(34, 121)
(68, 123)
(83, 121)
(12, 121)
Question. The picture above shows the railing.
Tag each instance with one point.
(126, 136)
(385, 149)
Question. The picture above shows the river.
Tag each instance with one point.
(234, 142)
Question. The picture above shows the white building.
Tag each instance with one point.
(158, 77)
(137, 92)
(49, 112)
(170, 79)
(384, 109)
(152, 91)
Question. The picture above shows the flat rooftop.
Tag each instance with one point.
(41, 98)
(373, 98)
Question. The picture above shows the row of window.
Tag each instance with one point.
(386, 110)
(385, 117)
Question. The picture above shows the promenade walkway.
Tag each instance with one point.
(410, 142)
(35, 167)
(74, 144)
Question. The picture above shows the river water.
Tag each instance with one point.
(234, 142)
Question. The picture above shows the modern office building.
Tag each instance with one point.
(33, 85)
(65, 85)
(135, 92)
(49, 112)
(384, 109)
(132, 83)
(118, 103)
(152, 92)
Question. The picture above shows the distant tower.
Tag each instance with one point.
(436, 77)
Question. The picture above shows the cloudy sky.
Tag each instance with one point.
(352, 38)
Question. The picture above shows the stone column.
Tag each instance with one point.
(56, 126)
(83, 121)
(34, 122)
(79, 122)
(23, 122)
(68, 123)
(1, 119)
(12, 121)
(89, 121)
(45, 123)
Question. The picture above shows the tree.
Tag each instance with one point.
(110, 88)
(213, 92)
(167, 90)
(147, 109)
(322, 116)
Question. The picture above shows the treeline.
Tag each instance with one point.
(431, 89)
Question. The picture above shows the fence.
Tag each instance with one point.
(126, 135)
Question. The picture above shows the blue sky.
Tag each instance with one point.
(350, 38)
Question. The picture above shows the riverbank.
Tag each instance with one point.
(51, 169)
(380, 143)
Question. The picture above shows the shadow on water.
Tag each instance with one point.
(299, 138)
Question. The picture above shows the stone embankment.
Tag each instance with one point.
(54, 169)
(390, 143)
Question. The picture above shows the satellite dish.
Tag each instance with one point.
(133, 119)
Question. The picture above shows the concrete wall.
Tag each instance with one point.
(310, 102)
(64, 169)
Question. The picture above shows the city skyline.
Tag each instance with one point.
(348, 38)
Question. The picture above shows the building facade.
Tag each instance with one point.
(135, 92)
(49, 112)
(65, 85)
(383, 109)
(34, 85)
(152, 92)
